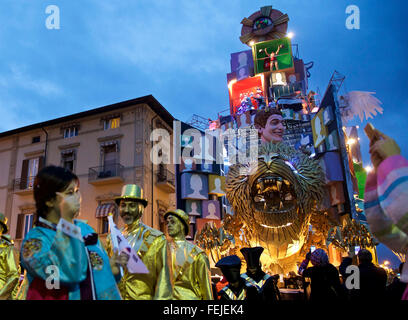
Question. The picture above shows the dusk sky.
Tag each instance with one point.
(179, 51)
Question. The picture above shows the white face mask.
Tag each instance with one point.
(69, 201)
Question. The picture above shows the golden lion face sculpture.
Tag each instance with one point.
(274, 197)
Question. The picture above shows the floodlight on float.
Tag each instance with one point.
(351, 141)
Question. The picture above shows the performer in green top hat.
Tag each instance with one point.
(151, 246)
(132, 192)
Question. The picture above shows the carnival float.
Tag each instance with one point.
(298, 194)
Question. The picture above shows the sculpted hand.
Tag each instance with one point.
(382, 149)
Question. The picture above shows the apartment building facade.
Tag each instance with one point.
(105, 147)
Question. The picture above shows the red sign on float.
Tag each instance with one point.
(245, 92)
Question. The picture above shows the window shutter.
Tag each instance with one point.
(20, 226)
(24, 173)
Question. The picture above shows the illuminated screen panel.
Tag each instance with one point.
(245, 94)
(262, 59)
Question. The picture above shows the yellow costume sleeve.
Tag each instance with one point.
(203, 277)
(108, 246)
(21, 293)
(157, 259)
(9, 273)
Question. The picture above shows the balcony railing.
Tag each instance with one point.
(166, 180)
(106, 174)
(23, 185)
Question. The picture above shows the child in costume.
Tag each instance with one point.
(63, 257)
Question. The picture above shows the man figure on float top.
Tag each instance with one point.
(264, 283)
(9, 274)
(151, 246)
(269, 124)
(237, 288)
(190, 265)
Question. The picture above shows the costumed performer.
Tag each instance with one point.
(237, 288)
(263, 282)
(150, 245)
(9, 271)
(63, 257)
(191, 268)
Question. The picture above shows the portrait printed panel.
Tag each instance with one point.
(328, 115)
(241, 59)
(200, 222)
(297, 116)
(216, 185)
(211, 209)
(209, 148)
(188, 164)
(287, 114)
(244, 72)
(319, 129)
(244, 120)
(191, 232)
(206, 167)
(193, 208)
(279, 79)
(306, 139)
(336, 193)
(242, 65)
(305, 117)
(332, 141)
(194, 186)
(186, 141)
(321, 148)
(292, 78)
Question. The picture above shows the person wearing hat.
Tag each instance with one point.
(237, 288)
(9, 271)
(151, 246)
(190, 265)
(263, 282)
(324, 277)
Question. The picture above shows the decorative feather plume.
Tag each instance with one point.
(360, 103)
